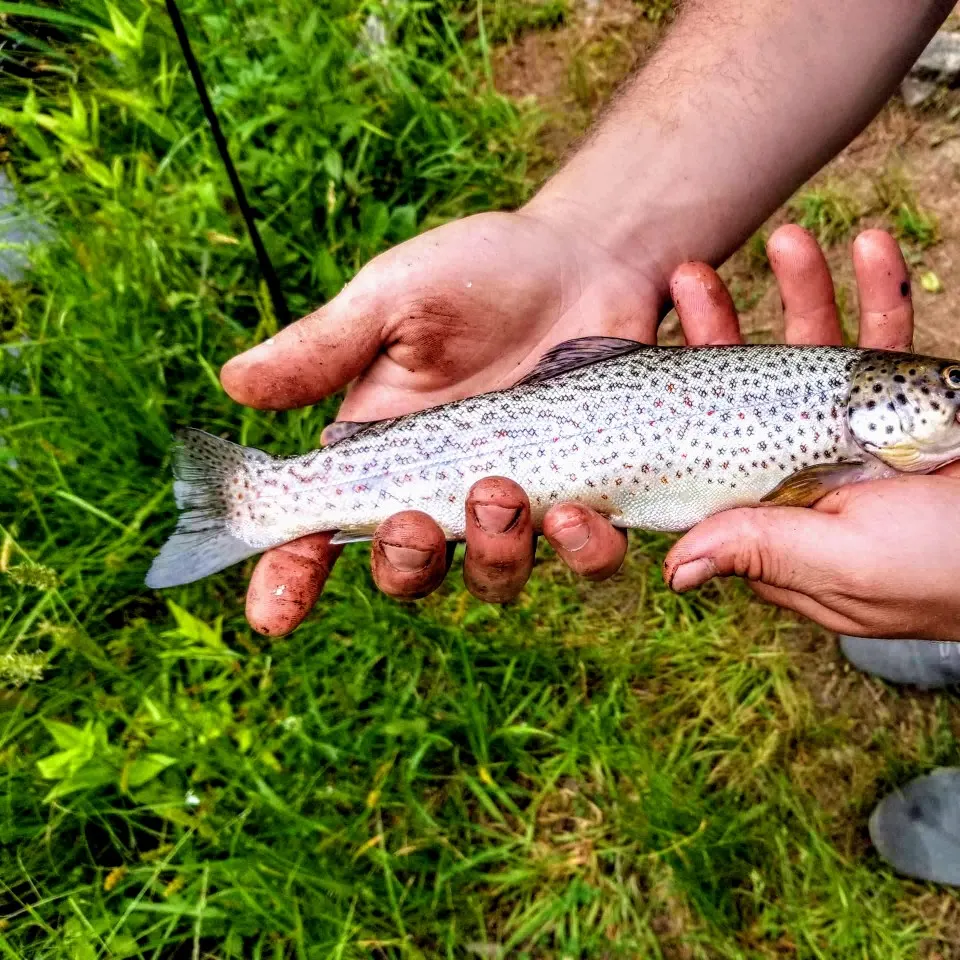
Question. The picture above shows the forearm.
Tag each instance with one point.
(742, 102)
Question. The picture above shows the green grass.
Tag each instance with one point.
(827, 211)
(595, 770)
(913, 226)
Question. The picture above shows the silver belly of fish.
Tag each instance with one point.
(655, 438)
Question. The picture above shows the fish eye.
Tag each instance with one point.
(951, 375)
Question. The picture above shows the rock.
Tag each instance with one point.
(938, 64)
(16, 227)
(916, 92)
(940, 61)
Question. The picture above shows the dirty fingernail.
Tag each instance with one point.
(495, 519)
(692, 574)
(573, 537)
(405, 559)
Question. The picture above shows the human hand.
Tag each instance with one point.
(454, 312)
(871, 559)
(466, 308)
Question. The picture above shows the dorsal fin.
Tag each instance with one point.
(581, 352)
(342, 429)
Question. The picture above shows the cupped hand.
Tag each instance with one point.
(877, 559)
(459, 310)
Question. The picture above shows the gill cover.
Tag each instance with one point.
(902, 409)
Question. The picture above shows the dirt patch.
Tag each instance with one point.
(571, 71)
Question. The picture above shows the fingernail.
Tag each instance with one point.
(405, 559)
(693, 574)
(495, 519)
(573, 537)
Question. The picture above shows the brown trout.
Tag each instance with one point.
(657, 438)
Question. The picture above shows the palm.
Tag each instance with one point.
(471, 306)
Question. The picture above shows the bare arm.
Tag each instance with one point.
(742, 102)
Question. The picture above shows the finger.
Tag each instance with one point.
(409, 558)
(287, 582)
(883, 288)
(500, 541)
(704, 306)
(309, 359)
(787, 547)
(586, 542)
(812, 610)
(806, 289)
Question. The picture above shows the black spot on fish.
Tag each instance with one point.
(900, 378)
(877, 388)
(901, 398)
(871, 404)
(905, 288)
(889, 430)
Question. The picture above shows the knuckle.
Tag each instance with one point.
(754, 557)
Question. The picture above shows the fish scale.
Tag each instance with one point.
(656, 438)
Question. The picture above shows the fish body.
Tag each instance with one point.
(657, 438)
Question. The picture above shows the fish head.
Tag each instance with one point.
(903, 409)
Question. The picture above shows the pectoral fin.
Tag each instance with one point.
(807, 486)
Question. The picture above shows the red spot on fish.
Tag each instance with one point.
(743, 416)
(670, 388)
(710, 413)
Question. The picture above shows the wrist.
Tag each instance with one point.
(635, 242)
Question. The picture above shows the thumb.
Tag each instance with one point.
(309, 359)
(786, 547)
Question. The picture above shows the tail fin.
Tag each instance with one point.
(204, 465)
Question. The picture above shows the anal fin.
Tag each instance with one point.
(353, 535)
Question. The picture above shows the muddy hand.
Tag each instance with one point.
(874, 559)
(455, 312)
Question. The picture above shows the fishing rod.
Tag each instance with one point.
(280, 308)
